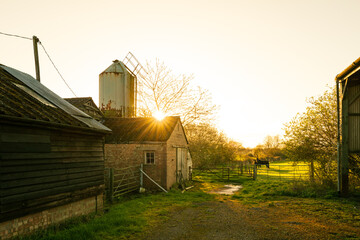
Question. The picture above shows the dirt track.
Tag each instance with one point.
(227, 219)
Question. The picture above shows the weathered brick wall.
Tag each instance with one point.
(177, 138)
(127, 155)
(122, 155)
(29, 223)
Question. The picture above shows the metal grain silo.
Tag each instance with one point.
(117, 90)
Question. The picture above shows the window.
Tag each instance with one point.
(149, 157)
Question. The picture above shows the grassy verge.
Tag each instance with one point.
(303, 197)
(129, 217)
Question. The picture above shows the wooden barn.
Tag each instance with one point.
(51, 156)
(348, 99)
(161, 146)
(87, 105)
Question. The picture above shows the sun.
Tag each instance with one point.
(159, 115)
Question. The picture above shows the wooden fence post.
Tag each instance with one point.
(111, 185)
(141, 176)
(255, 172)
(228, 172)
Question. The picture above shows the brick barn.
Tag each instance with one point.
(161, 146)
(51, 157)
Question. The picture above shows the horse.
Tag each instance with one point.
(259, 162)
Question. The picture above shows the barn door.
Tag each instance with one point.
(180, 164)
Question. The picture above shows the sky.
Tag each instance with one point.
(260, 59)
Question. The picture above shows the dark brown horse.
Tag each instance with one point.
(259, 162)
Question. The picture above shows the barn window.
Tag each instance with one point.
(149, 157)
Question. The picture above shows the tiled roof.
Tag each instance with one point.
(78, 101)
(140, 129)
(23, 97)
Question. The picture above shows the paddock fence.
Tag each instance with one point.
(226, 174)
(283, 172)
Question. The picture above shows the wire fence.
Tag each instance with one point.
(283, 172)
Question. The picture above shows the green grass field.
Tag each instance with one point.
(284, 171)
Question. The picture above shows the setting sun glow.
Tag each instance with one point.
(159, 115)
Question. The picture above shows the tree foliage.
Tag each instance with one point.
(174, 95)
(311, 136)
(209, 147)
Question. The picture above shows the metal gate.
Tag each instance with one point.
(120, 181)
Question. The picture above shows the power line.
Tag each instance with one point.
(14, 35)
(56, 68)
(18, 36)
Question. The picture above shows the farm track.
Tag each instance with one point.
(228, 219)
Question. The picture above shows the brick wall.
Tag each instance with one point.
(29, 223)
(133, 154)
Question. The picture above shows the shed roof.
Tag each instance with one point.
(78, 101)
(23, 97)
(140, 129)
(351, 69)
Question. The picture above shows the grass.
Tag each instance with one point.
(304, 197)
(284, 171)
(137, 213)
(130, 216)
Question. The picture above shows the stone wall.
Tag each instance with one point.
(32, 222)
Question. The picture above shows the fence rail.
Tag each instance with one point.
(275, 171)
(120, 181)
(222, 173)
(283, 172)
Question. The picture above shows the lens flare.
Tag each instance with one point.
(159, 115)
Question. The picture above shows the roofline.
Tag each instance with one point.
(50, 125)
(349, 70)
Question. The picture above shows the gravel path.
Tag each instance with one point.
(227, 219)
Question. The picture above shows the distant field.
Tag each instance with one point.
(277, 171)
(284, 171)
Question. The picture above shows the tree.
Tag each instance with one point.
(164, 92)
(272, 141)
(209, 147)
(311, 136)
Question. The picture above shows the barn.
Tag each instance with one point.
(51, 157)
(161, 146)
(348, 100)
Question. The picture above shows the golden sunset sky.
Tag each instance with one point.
(260, 60)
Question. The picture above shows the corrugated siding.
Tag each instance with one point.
(354, 121)
(46, 169)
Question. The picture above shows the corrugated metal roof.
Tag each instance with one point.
(140, 129)
(84, 119)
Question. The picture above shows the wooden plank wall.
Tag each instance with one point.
(41, 169)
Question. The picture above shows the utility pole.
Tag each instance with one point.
(36, 56)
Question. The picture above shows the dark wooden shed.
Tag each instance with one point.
(51, 156)
(348, 96)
